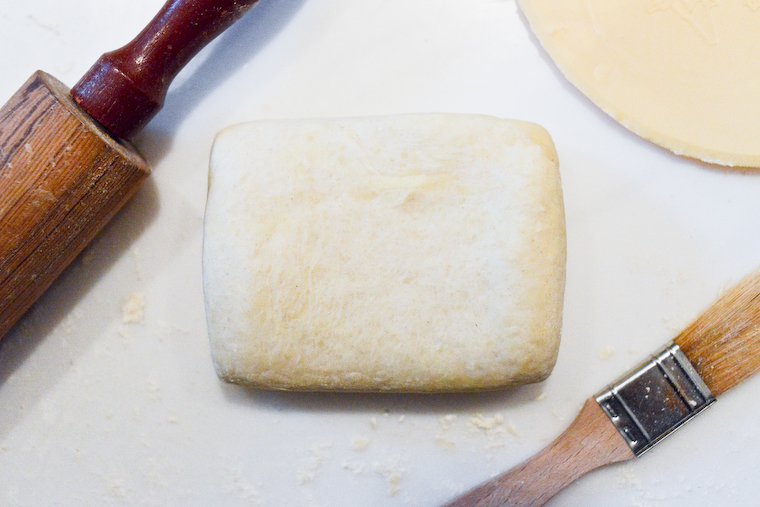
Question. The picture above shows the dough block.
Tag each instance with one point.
(413, 253)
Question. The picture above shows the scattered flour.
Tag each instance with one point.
(244, 489)
(628, 479)
(355, 467)
(318, 455)
(154, 390)
(443, 441)
(494, 427)
(606, 352)
(116, 487)
(488, 424)
(557, 415)
(393, 473)
(446, 421)
(70, 322)
(360, 443)
(133, 310)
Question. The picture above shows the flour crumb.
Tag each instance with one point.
(133, 310)
(557, 415)
(393, 473)
(355, 467)
(28, 148)
(401, 418)
(443, 441)
(70, 322)
(628, 479)
(360, 443)
(541, 397)
(318, 455)
(488, 424)
(373, 422)
(244, 489)
(154, 390)
(117, 489)
(446, 421)
(606, 352)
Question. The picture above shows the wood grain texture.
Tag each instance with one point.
(723, 344)
(590, 442)
(61, 180)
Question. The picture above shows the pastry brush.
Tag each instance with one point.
(66, 163)
(630, 416)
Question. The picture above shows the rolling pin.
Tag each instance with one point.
(66, 162)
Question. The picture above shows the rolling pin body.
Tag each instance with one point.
(66, 165)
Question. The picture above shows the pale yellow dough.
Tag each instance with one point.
(684, 74)
(406, 253)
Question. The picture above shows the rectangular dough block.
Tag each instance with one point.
(413, 253)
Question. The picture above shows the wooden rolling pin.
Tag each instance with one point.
(66, 164)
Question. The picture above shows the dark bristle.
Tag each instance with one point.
(723, 344)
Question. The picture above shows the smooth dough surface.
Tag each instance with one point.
(683, 74)
(413, 253)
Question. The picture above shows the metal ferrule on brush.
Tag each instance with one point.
(654, 399)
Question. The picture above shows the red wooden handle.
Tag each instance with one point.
(126, 88)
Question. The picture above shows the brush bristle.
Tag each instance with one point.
(723, 344)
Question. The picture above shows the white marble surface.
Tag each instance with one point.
(99, 412)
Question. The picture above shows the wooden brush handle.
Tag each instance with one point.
(590, 442)
(126, 88)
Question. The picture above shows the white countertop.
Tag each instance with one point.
(99, 412)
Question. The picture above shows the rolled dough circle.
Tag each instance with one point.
(684, 74)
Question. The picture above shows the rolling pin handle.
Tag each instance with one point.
(125, 88)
